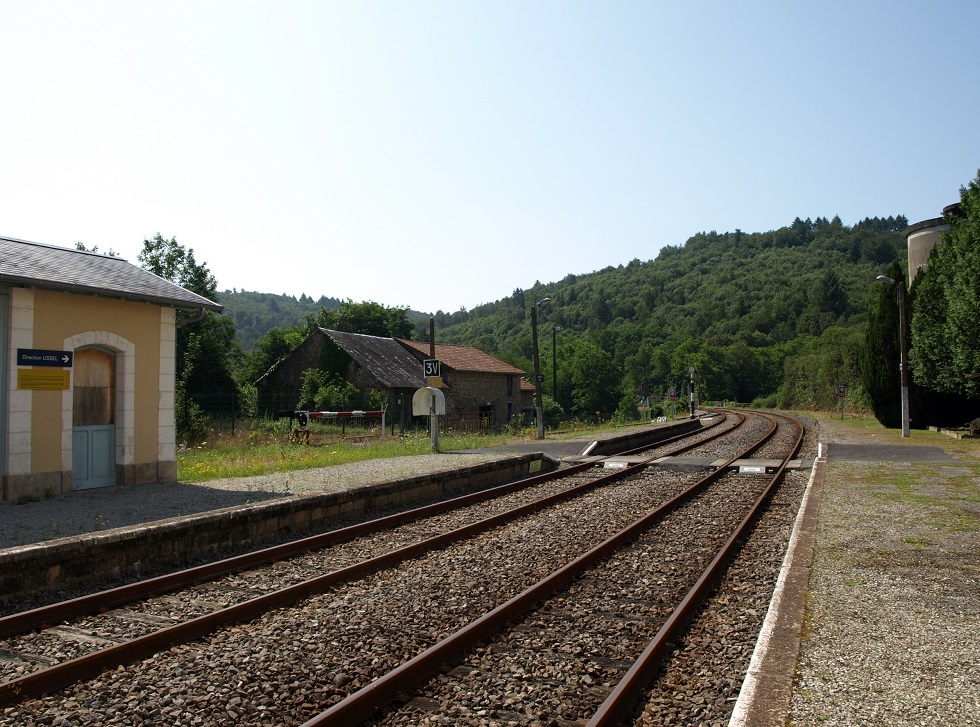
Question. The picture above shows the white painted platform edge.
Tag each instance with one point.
(752, 677)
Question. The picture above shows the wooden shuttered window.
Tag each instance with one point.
(94, 371)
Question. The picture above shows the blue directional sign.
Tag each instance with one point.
(41, 357)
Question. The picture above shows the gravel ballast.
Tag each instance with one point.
(891, 630)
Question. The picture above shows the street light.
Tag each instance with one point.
(554, 362)
(902, 347)
(539, 405)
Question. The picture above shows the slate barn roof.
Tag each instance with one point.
(383, 358)
(464, 358)
(34, 265)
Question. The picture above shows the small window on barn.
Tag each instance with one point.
(94, 371)
(510, 386)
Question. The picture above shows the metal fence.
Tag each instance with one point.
(228, 411)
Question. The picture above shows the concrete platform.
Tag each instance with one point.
(693, 464)
(764, 466)
(886, 453)
(770, 685)
(105, 556)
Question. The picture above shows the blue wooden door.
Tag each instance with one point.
(93, 462)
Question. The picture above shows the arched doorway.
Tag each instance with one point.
(93, 418)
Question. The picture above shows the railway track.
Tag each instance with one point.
(550, 657)
(239, 591)
(49, 647)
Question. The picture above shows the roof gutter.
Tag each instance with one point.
(106, 293)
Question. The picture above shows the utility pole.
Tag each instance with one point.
(554, 362)
(433, 418)
(539, 404)
(692, 392)
(903, 364)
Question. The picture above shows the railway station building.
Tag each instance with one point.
(87, 371)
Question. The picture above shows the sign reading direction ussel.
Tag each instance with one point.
(43, 379)
(41, 357)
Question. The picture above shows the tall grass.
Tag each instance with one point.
(262, 447)
(266, 448)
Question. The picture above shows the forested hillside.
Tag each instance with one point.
(775, 317)
(789, 318)
(763, 288)
(256, 313)
(776, 314)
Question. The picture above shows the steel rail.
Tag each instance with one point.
(619, 704)
(43, 616)
(55, 613)
(367, 701)
(691, 445)
(90, 665)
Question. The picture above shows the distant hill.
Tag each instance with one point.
(764, 288)
(778, 315)
(255, 314)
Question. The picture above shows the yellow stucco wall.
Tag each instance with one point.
(58, 316)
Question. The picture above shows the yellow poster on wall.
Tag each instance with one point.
(44, 379)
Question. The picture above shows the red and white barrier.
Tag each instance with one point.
(303, 419)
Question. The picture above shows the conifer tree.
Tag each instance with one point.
(880, 357)
(946, 317)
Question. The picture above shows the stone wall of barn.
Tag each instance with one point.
(279, 389)
(470, 392)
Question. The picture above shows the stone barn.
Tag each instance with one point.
(368, 362)
(481, 391)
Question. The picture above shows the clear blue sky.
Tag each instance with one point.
(438, 155)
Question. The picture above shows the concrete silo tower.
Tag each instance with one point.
(923, 236)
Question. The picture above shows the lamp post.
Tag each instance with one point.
(539, 405)
(554, 362)
(903, 367)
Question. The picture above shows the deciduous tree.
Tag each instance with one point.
(206, 375)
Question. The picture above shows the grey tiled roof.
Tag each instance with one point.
(393, 366)
(76, 271)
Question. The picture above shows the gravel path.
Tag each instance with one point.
(86, 511)
(890, 636)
